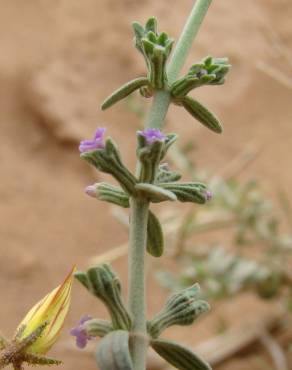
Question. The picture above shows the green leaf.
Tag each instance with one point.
(169, 140)
(202, 114)
(187, 191)
(155, 193)
(104, 284)
(151, 25)
(112, 194)
(113, 352)
(180, 357)
(181, 308)
(166, 175)
(149, 156)
(97, 327)
(138, 29)
(155, 240)
(124, 91)
(82, 278)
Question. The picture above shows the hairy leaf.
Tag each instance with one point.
(113, 352)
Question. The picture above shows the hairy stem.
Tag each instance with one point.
(186, 39)
(139, 208)
(137, 297)
(159, 108)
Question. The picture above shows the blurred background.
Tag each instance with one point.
(59, 59)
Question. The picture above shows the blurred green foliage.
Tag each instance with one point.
(256, 255)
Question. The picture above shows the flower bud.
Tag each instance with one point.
(47, 316)
(102, 282)
(181, 308)
(210, 71)
(108, 193)
(156, 48)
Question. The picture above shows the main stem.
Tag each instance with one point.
(139, 208)
(137, 294)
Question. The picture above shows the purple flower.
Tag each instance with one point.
(208, 195)
(151, 135)
(96, 143)
(80, 332)
(91, 190)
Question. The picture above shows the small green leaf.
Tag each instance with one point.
(180, 357)
(82, 278)
(152, 37)
(181, 308)
(151, 25)
(147, 45)
(166, 175)
(97, 327)
(112, 194)
(149, 156)
(202, 114)
(183, 86)
(138, 29)
(187, 191)
(113, 352)
(155, 193)
(124, 91)
(169, 140)
(155, 240)
(104, 284)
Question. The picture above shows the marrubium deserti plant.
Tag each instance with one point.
(127, 334)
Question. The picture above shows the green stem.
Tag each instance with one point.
(186, 39)
(159, 108)
(139, 208)
(137, 297)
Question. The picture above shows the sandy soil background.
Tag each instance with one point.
(58, 60)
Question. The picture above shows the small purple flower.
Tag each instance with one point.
(151, 135)
(80, 332)
(208, 195)
(96, 143)
(91, 191)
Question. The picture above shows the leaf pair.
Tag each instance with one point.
(115, 195)
(113, 353)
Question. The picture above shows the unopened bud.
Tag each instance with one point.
(102, 282)
(182, 308)
(91, 191)
(108, 193)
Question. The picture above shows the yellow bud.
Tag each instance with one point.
(52, 309)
